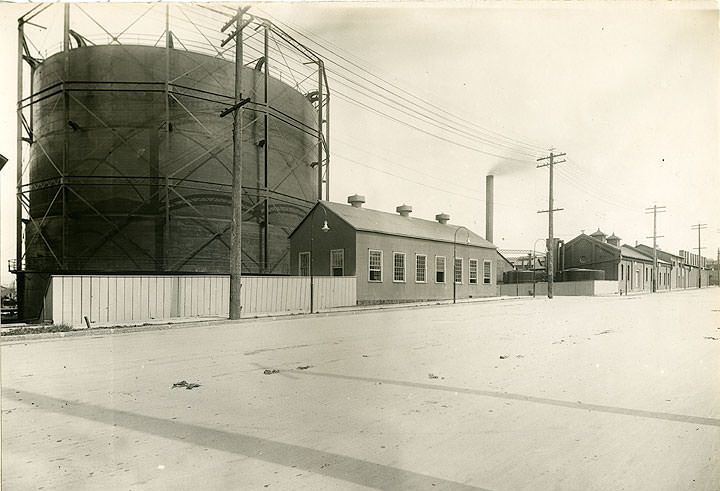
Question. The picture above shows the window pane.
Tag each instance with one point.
(473, 271)
(304, 264)
(440, 269)
(398, 266)
(420, 268)
(375, 269)
(487, 272)
(458, 269)
(337, 262)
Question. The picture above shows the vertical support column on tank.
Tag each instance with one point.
(319, 131)
(19, 276)
(266, 210)
(66, 129)
(166, 224)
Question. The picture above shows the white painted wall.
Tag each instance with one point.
(109, 299)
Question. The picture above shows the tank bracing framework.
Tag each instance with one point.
(280, 54)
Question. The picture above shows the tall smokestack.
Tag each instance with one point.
(489, 198)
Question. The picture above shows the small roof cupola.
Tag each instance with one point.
(356, 200)
(599, 235)
(442, 218)
(613, 240)
(404, 210)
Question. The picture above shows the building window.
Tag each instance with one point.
(304, 264)
(458, 270)
(487, 272)
(399, 267)
(337, 262)
(439, 269)
(420, 268)
(375, 266)
(473, 271)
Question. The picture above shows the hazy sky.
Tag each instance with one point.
(629, 92)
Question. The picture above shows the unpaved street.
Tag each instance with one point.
(573, 393)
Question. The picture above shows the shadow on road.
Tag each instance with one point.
(682, 418)
(332, 465)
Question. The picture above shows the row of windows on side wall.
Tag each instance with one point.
(375, 272)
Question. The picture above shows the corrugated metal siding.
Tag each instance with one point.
(108, 299)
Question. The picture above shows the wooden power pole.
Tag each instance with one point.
(655, 210)
(236, 110)
(551, 162)
(699, 227)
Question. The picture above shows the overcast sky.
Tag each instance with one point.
(629, 92)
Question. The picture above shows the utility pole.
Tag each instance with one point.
(655, 210)
(551, 162)
(236, 110)
(699, 227)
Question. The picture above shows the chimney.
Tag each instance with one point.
(356, 200)
(489, 198)
(442, 218)
(404, 210)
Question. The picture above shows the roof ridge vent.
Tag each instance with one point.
(404, 210)
(442, 218)
(356, 200)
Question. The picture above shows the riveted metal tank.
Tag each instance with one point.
(123, 178)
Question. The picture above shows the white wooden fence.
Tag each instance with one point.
(115, 298)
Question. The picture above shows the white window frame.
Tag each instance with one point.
(487, 280)
(470, 271)
(424, 270)
(404, 267)
(370, 253)
(301, 255)
(444, 269)
(342, 262)
(455, 270)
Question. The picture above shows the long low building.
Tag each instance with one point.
(630, 267)
(395, 257)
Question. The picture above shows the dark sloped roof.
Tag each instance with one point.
(664, 254)
(605, 245)
(632, 252)
(368, 220)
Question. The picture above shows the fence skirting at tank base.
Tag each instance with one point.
(124, 298)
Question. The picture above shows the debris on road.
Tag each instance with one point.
(502, 357)
(271, 372)
(304, 367)
(186, 384)
(606, 331)
(713, 338)
(364, 356)
(432, 375)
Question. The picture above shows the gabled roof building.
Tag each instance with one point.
(631, 267)
(395, 257)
